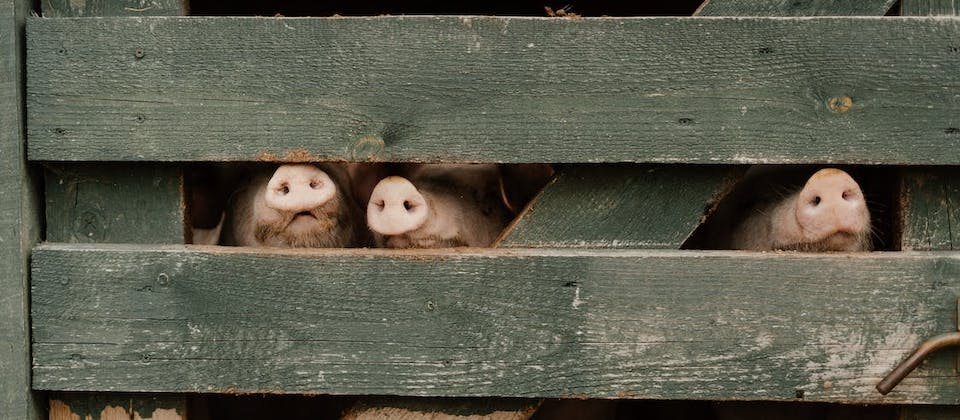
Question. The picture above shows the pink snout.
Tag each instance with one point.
(832, 202)
(396, 207)
(296, 188)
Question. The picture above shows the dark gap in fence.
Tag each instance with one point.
(880, 185)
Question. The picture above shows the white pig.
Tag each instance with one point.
(828, 214)
(449, 205)
(295, 205)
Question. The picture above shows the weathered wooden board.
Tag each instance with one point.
(930, 7)
(620, 206)
(90, 8)
(111, 406)
(710, 90)
(518, 323)
(114, 203)
(795, 8)
(19, 221)
(930, 213)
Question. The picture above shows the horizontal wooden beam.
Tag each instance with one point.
(492, 322)
(795, 8)
(700, 90)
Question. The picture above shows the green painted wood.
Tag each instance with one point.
(795, 8)
(19, 222)
(621, 206)
(487, 322)
(719, 90)
(930, 7)
(930, 214)
(91, 8)
(114, 203)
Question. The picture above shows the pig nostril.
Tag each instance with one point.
(380, 204)
(284, 190)
(815, 201)
(315, 184)
(408, 205)
(847, 195)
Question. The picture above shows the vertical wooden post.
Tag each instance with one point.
(19, 221)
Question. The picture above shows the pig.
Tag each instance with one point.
(295, 206)
(829, 213)
(449, 205)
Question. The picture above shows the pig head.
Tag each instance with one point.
(829, 213)
(449, 205)
(295, 205)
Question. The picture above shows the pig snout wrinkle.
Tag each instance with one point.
(396, 207)
(299, 188)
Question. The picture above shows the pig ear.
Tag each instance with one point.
(519, 183)
(363, 178)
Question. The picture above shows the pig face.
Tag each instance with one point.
(297, 205)
(445, 205)
(828, 214)
(436, 206)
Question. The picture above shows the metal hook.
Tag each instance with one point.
(904, 368)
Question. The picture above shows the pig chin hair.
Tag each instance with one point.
(406, 242)
(324, 235)
(836, 242)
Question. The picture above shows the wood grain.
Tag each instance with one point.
(710, 90)
(620, 206)
(795, 8)
(930, 7)
(512, 323)
(114, 203)
(19, 223)
(92, 8)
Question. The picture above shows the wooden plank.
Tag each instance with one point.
(89, 8)
(19, 222)
(114, 203)
(930, 214)
(620, 206)
(795, 8)
(111, 406)
(487, 322)
(930, 7)
(718, 90)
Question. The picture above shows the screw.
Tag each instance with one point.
(138, 54)
(163, 279)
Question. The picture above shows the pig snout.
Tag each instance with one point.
(396, 207)
(831, 202)
(299, 188)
